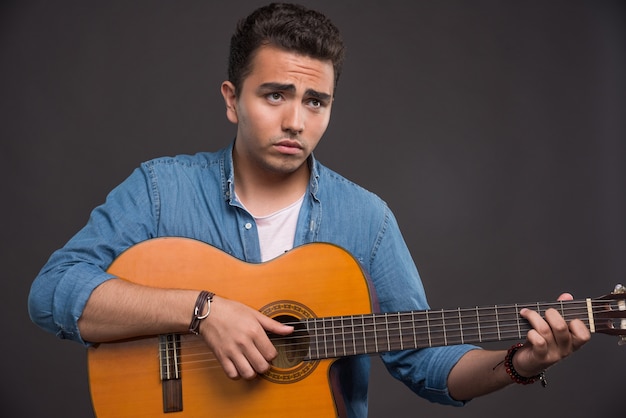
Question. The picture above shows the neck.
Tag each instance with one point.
(264, 192)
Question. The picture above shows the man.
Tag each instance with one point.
(255, 200)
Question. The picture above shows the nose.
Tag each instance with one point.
(293, 119)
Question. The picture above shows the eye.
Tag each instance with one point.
(316, 103)
(274, 97)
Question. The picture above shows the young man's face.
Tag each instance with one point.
(282, 111)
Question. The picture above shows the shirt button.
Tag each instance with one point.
(248, 225)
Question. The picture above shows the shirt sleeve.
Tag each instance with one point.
(399, 288)
(60, 291)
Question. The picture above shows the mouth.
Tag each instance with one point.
(288, 146)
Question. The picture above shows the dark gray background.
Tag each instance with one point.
(495, 130)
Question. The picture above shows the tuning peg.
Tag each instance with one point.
(621, 305)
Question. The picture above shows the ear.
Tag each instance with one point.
(228, 92)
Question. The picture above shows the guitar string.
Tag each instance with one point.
(502, 325)
(348, 339)
(437, 321)
(505, 331)
(448, 319)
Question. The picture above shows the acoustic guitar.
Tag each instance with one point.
(318, 288)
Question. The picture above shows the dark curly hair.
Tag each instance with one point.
(288, 26)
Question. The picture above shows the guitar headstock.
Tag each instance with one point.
(611, 318)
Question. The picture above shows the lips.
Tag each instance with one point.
(288, 146)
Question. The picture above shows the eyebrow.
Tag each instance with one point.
(291, 88)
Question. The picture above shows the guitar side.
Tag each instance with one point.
(313, 280)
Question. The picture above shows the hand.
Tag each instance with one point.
(237, 336)
(551, 340)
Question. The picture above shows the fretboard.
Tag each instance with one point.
(380, 332)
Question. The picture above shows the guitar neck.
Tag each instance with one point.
(380, 332)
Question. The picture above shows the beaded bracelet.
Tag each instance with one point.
(517, 378)
(204, 298)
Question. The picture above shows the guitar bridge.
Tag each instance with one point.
(169, 356)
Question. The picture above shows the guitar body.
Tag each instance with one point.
(315, 280)
(318, 288)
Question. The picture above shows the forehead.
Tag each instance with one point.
(275, 65)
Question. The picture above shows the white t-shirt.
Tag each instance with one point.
(277, 230)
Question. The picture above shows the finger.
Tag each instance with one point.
(229, 368)
(255, 364)
(580, 333)
(244, 368)
(262, 341)
(538, 324)
(245, 362)
(252, 355)
(263, 352)
(538, 343)
(565, 296)
(274, 326)
(561, 332)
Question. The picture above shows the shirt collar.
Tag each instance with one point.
(228, 174)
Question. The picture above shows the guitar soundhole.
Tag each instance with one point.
(293, 348)
(292, 363)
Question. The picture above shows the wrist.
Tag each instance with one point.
(515, 375)
(201, 310)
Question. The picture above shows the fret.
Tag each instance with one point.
(353, 336)
(468, 326)
(380, 332)
(332, 340)
(454, 327)
(423, 338)
(443, 325)
(517, 321)
(511, 323)
(316, 339)
(400, 331)
(364, 334)
(343, 335)
(490, 324)
(369, 328)
(436, 328)
(350, 335)
(480, 337)
(339, 336)
(396, 333)
(413, 330)
(461, 326)
(312, 339)
(307, 325)
(386, 327)
(325, 334)
(430, 341)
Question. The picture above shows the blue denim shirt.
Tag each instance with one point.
(193, 196)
